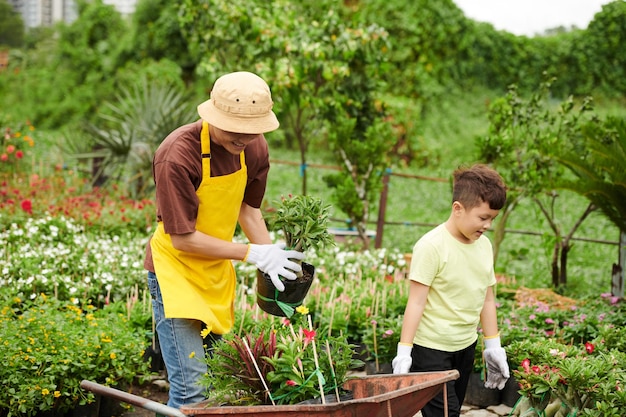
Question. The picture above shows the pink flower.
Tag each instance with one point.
(291, 383)
(526, 365)
(4, 157)
(10, 149)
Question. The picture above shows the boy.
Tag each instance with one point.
(451, 290)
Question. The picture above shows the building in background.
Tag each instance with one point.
(47, 12)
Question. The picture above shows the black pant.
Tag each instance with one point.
(427, 360)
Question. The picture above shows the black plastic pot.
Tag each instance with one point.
(478, 395)
(283, 303)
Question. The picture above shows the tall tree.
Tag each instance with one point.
(525, 136)
(11, 26)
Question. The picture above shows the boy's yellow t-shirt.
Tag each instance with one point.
(458, 275)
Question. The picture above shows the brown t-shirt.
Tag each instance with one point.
(177, 171)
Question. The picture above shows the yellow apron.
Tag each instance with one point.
(194, 287)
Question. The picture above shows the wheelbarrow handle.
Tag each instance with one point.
(131, 399)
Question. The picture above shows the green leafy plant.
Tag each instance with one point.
(381, 338)
(571, 380)
(303, 221)
(278, 364)
(48, 346)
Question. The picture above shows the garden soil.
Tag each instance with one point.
(155, 390)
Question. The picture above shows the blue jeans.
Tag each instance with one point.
(183, 350)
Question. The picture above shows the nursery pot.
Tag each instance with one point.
(283, 303)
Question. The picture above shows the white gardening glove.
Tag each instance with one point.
(497, 365)
(403, 360)
(275, 262)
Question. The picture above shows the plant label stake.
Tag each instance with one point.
(256, 366)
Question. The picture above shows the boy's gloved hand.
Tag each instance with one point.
(497, 365)
(401, 364)
(274, 261)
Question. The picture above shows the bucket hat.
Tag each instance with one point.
(240, 102)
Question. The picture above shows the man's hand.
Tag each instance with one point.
(497, 365)
(275, 262)
(401, 364)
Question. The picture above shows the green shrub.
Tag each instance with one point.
(49, 346)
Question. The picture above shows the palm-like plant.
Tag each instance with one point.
(131, 128)
(600, 170)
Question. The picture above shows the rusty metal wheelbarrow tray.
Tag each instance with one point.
(373, 396)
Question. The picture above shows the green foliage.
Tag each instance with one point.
(130, 129)
(49, 346)
(606, 48)
(11, 26)
(232, 375)
(381, 337)
(525, 136)
(63, 80)
(424, 37)
(572, 379)
(156, 35)
(303, 221)
(599, 168)
(292, 358)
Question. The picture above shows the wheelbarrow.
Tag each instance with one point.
(372, 396)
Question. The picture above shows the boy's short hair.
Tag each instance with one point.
(477, 184)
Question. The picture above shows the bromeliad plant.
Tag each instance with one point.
(279, 363)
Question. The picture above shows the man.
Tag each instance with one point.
(209, 176)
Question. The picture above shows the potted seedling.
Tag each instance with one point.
(303, 222)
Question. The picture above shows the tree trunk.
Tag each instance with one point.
(565, 248)
(617, 280)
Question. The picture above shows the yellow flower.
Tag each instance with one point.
(57, 394)
(192, 355)
(45, 391)
(302, 310)
(112, 355)
(204, 333)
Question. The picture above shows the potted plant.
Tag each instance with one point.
(302, 221)
(278, 363)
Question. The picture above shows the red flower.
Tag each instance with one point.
(27, 206)
(19, 154)
(291, 383)
(4, 157)
(526, 365)
(309, 335)
(10, 149)
(589, 347)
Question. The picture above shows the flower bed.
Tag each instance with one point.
(48, 346)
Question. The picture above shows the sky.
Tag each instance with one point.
(530, 17)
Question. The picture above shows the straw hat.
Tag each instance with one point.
(240, 102)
